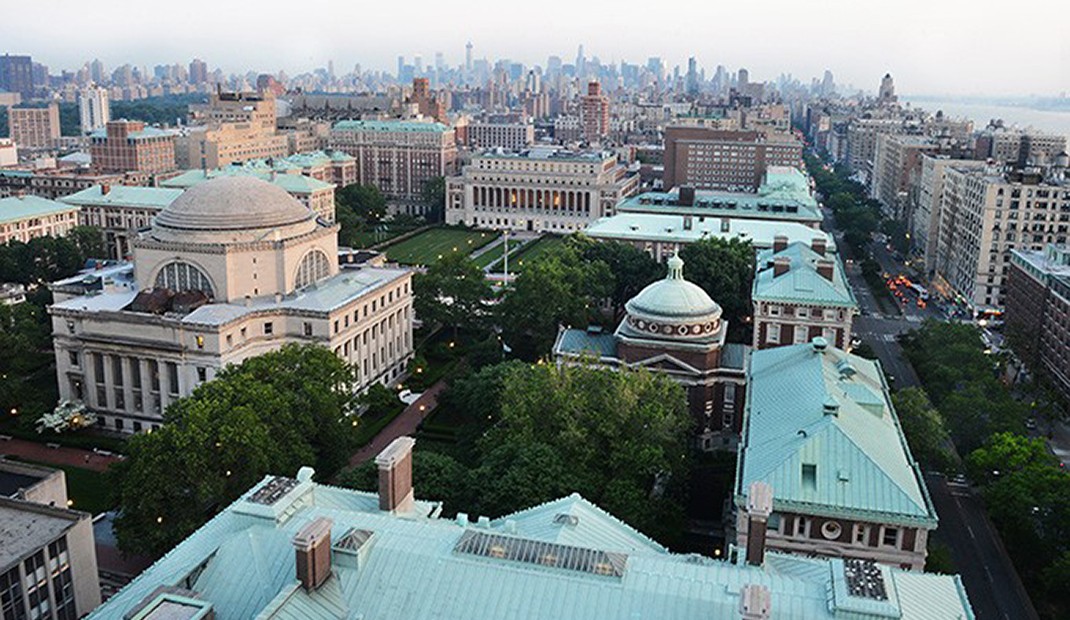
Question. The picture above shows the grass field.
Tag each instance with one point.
(427, 247)
(495, 255)
(533, 251)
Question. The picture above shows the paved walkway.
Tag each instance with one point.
(404, 424)
(41, 453)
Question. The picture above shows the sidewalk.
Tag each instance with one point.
(404, 424)
(41, 453)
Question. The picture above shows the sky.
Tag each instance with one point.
(933, 47)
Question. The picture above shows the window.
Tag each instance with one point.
(74, 358)
(774, 310)
(11, 596)
(802, 527)
(809, 476)
(314, 266)
(861, 534)
(269, 328)
(172, 378)
(772, 334)
(802, 334)
(202, 374)
(308, 328)
(831, 530)
(890, 537)
(179, 276)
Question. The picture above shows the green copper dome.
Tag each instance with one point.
(674, 298)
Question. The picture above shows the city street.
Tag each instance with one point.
(991, 582)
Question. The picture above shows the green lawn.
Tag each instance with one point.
(493, 256)
(427, 247)
(88, 490)
(533, 251)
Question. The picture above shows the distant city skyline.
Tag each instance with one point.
(926, 56)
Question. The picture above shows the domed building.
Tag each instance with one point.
(233, 268)
(673, 326)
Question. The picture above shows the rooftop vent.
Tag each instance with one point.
(830, 406)
(273, 491)
(845, 369)
(864, 579)
(541, 553)
(566, 519)
(819, 344)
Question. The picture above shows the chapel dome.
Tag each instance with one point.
(236, 203)
(673, 307)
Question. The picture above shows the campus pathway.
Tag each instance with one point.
(41, 453)
(404, 424)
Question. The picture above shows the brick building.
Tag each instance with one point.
(34, 128)
(1038, 311)
(124, 145)
(734, 160)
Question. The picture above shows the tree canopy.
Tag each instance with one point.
(453, 292)
(270, 415)
(724, 268)
(433, 194)
(632, 268)
(923, 427)
(561, 288)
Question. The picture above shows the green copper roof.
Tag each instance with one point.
(678, 229)
(19, 208)
(784, 195)
(410, 126)
(293, 183)
(124, 196)
(581, 342)
(802, 283)
(420, 567)
(831, 410)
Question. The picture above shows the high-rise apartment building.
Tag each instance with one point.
(198, 71)
(398, 157)
(862, 136)
(886, 94)
(541, 189)
(896, 171)
(16, 75)
(925, 221)
(1018, 147)
(124, 146)
(231, 127)
(1038, 311)
(509, 136)
(34, 127)
(734, 160)
(93, 108)
(594, 113)
(985, 214)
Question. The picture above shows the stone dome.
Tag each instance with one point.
(673, 307)
(234, 203)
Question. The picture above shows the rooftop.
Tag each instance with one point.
(816, 405)
(547, 153)
(124, 196)
(393, 125)
(672, 229)
(15, 476)
(18, 208)
(144, 134)
(292, 183)
(802, 283)
(27, 526)
(563, 559)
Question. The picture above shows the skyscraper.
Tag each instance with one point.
(96, 71)
(594, 113)
(198, 71)
(16, 75)
(93, 108)
(887, 90)
(692, 76)
(468, 57)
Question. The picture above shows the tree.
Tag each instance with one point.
(89, 240)
(435, 477)
(364, 201)
(433, 194)
(561, 288)
(610, 435)
(453, 292)
(270, 415)
(632, 268)
(724, 268)
(923, 427)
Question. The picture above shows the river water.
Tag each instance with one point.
(1045, 120)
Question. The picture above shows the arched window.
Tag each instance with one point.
(314, 267)
(179, 276)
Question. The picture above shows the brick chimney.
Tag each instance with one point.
(755, 602)
(825, 268)
(759, 507)
(819, 245)
(687, 196)
(104, 189)
(781, 265)
(313, 549)
(395, 475)
(780, 243)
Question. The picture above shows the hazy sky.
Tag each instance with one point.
(931, 46)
